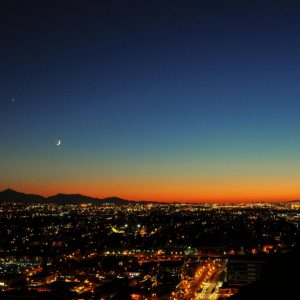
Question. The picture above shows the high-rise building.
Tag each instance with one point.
(244, 270)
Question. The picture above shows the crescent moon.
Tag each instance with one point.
(58, 143)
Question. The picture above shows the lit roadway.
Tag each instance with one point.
(211, 286)
(204, 285)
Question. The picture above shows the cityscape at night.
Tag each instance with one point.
(149, 149)
(110, 250)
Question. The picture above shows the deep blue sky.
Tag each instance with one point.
(151, 99)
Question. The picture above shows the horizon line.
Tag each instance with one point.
(158, 201)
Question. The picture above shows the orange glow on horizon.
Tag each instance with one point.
(175, 191)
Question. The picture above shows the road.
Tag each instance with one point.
(211, 286)
(205, 283)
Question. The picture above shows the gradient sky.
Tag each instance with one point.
(154, 100)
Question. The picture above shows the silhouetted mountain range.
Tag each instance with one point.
(10, 195)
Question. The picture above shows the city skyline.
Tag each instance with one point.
(120, 251)
(155, 101)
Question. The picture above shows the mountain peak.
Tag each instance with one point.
(8, 190)
(10, 195)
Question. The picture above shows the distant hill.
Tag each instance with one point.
(9, 195)
(12, 196)
(62, 199)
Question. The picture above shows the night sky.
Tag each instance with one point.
(153, 100)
